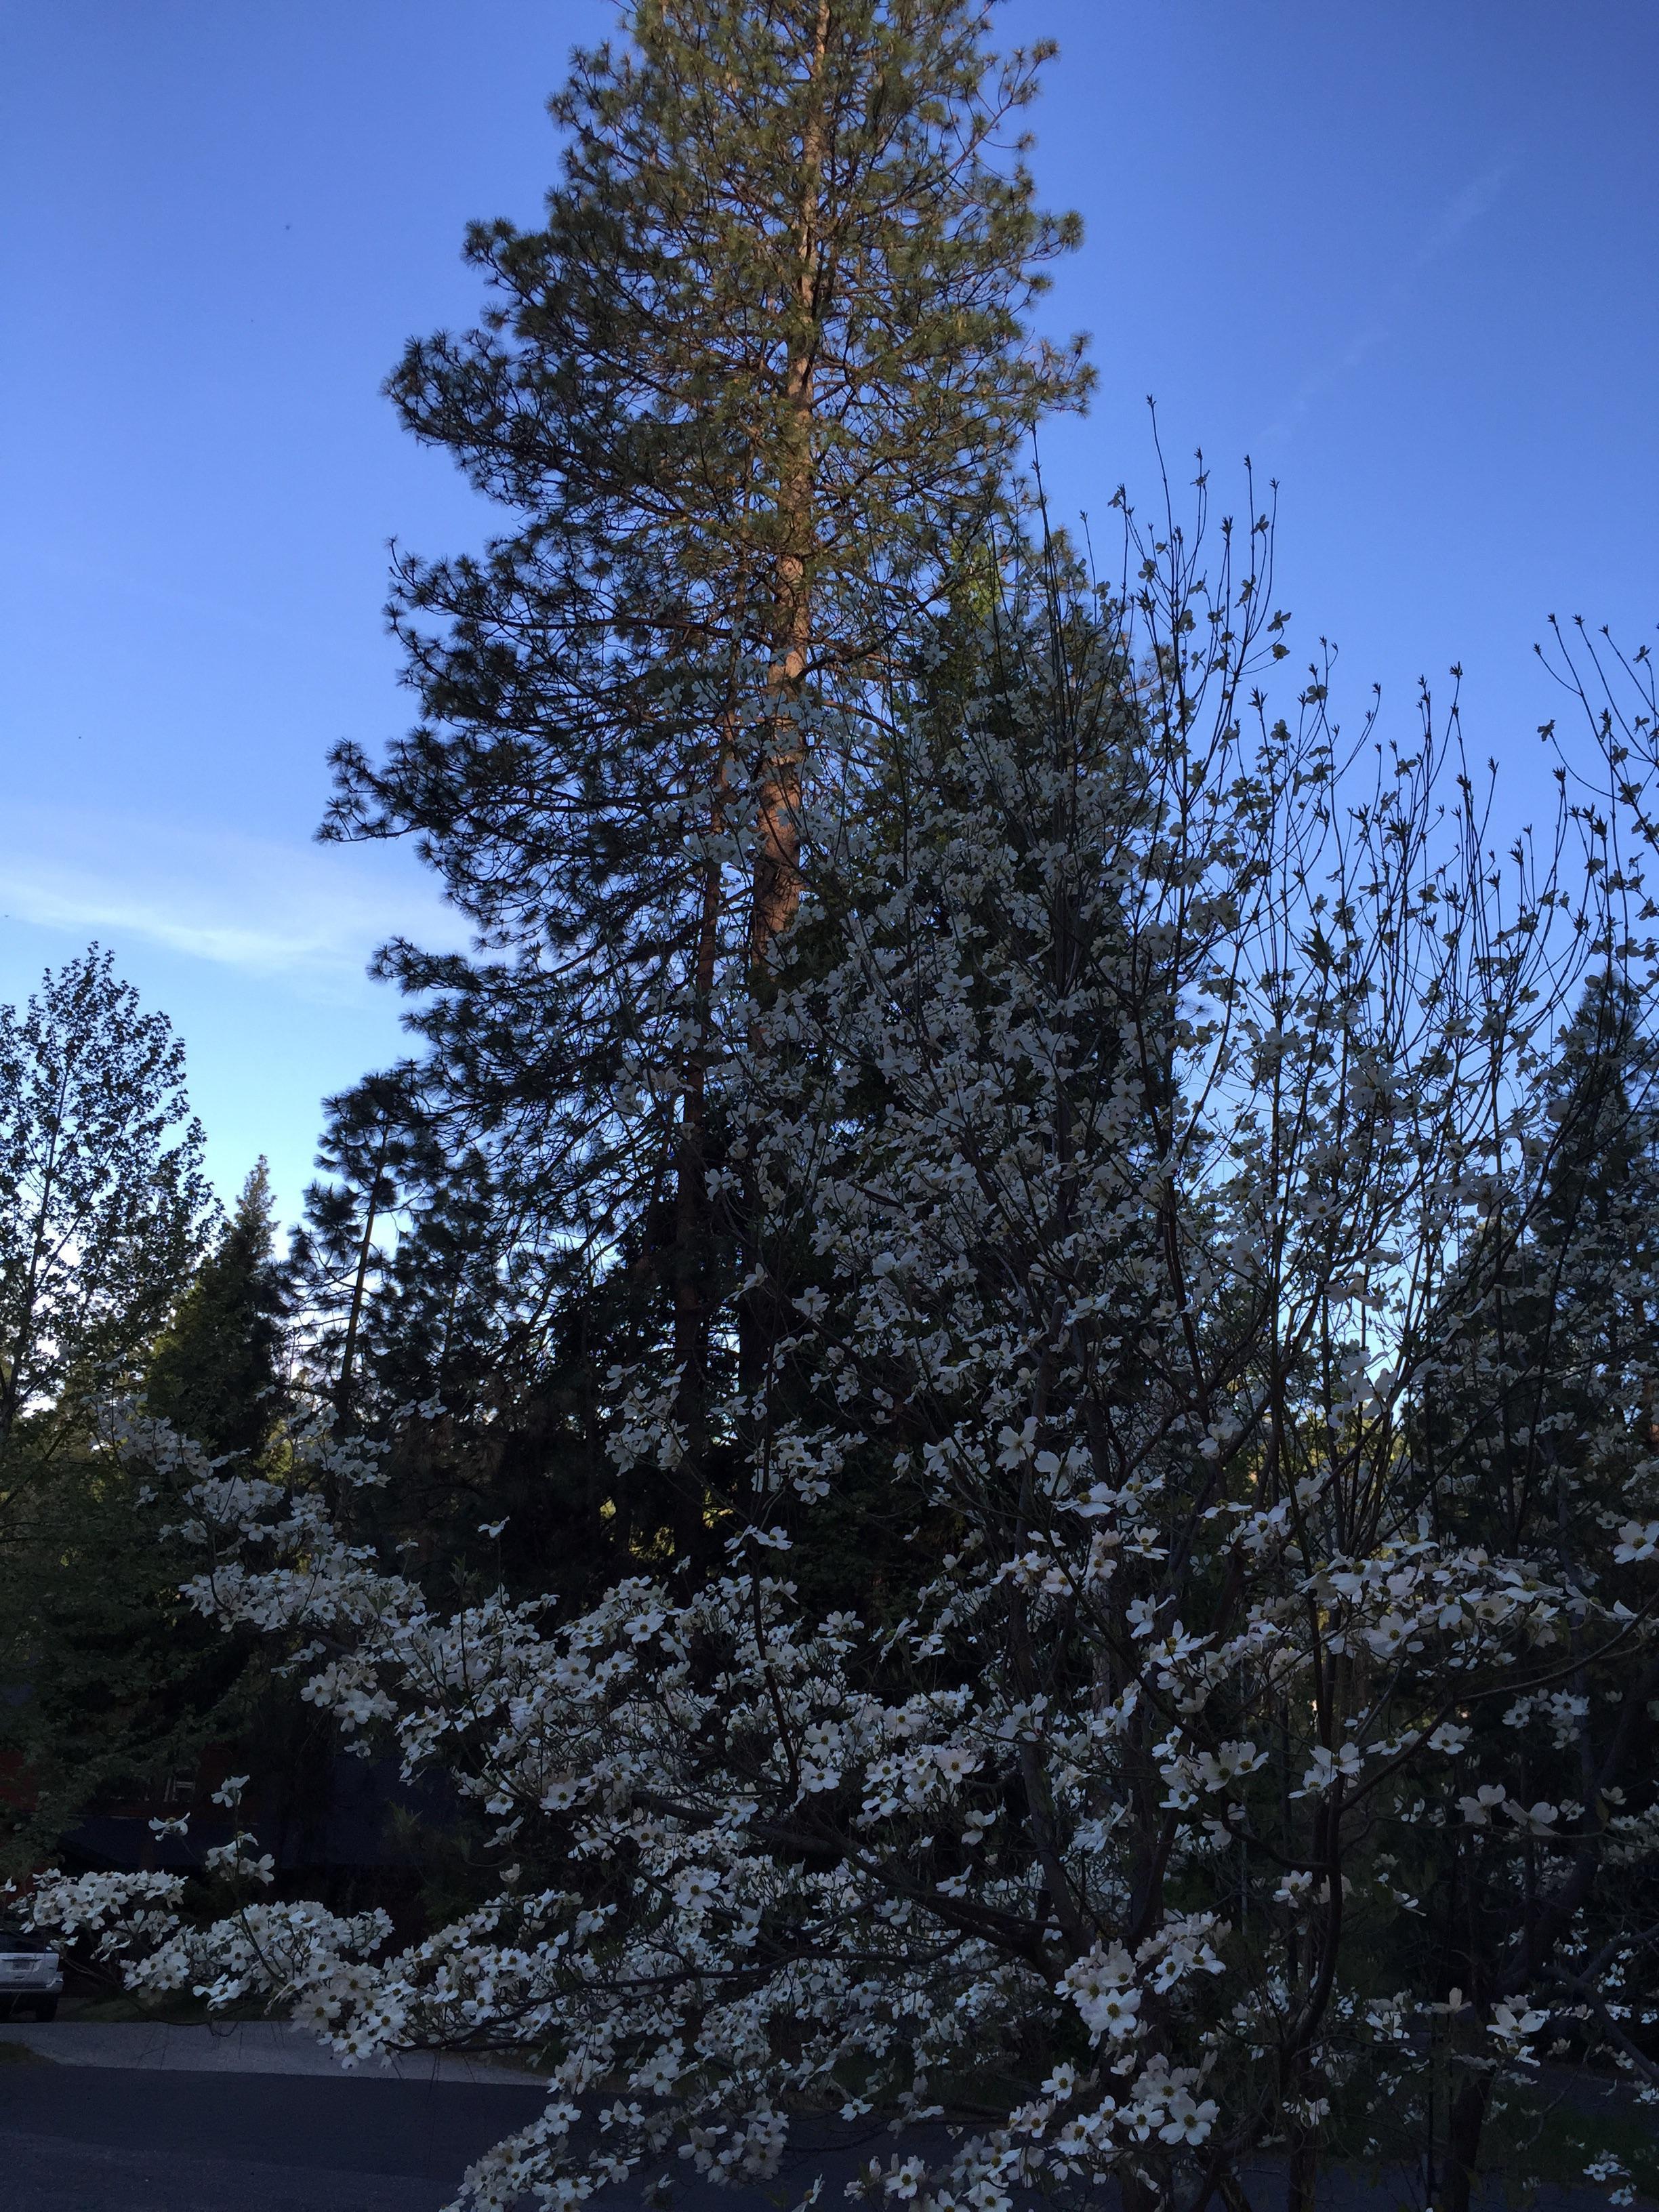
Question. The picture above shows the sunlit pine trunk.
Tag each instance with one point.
(776, 881)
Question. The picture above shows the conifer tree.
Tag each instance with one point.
(745, 395)
(1540, 1425)
(114, 1681)
(436, 1320)
(477, 1367)
(215, 1374)
(372, 1134)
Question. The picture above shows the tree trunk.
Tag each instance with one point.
(1459, 2170)
(777, 818)
(1301, 2180)
(342, 1388)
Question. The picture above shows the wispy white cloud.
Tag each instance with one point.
(305, 916)
(1460, 214)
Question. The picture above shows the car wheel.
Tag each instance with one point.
(46, 2009)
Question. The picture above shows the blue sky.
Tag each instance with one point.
(1400, 253)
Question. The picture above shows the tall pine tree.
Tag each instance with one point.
(746, 394)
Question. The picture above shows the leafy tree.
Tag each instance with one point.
(216, 1373)
(745, 393)
(104, 1212)
(1123, 1130)
(103, 1207)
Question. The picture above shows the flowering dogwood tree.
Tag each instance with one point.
(1131, 1144)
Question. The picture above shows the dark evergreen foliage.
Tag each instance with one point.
(743, 399)
(373, 1136)
(216, 1372)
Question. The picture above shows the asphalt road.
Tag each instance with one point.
(242, 2046)
(80, 2138)
(147, 2135)
(157, 2138)
(108, 2139)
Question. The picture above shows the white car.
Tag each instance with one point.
(31, 1978)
